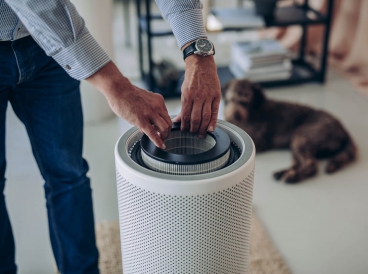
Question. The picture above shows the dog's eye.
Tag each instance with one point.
(244, 104)
(225, 102)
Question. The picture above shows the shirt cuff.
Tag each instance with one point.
(187, 26)
(83, 58)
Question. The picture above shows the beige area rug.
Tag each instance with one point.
(264, 258)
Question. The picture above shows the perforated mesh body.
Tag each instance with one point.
(185, 234)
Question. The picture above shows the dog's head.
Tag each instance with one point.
(242, 100)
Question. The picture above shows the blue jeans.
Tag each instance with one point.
(47, 101)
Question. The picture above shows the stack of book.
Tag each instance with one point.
(260, 61)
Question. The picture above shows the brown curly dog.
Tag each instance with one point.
(309, 133)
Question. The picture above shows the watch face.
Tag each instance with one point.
(203, 45)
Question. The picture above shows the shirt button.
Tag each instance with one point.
(68, 67)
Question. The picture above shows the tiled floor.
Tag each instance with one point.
(319, 226)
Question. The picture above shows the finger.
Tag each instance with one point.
(177, 118)
(162, 110)
(162, 127)
(214, 114)
(196, 116)
(167, 119)
(151, 132)
(165, 112)
(206, 118)
(165, 108)
(186, 111)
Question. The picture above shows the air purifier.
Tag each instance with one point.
(185, 209)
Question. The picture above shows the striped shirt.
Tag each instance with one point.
(58, 28)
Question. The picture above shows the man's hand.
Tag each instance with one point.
(144, 109)
(200, 95)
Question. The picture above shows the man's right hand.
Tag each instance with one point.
(144, 109)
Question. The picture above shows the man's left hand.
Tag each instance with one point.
(200, 95)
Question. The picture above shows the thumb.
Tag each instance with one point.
(177, 118)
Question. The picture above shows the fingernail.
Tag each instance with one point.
(163, 146)
(200, 136)
(210, 128)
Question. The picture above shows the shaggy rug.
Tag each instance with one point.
(264, 258)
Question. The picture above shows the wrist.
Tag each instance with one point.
(198, 60)
(201, 46)
(187, 44)
(109, 81)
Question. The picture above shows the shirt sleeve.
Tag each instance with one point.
(58, 28)
(185, 18)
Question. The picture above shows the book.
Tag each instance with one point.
(277, 67)
(260, 77)
(254, 54)
(261, 48)
(247, 63)
(213, 24)
(238, 17)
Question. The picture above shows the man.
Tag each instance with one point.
(45, 50)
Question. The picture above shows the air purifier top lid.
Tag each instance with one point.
(185, 148)
(129, 155)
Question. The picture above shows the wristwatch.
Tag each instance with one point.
(202, 46)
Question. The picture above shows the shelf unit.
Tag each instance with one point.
(297, 14)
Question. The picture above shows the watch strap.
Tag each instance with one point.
(189, 50)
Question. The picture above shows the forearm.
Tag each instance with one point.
(109, 81)
(60, 31)
(146, 110)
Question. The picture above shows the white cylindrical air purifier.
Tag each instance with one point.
(185, 209)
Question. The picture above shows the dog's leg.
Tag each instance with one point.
(279, 174)
(305, 165)
(347, 155)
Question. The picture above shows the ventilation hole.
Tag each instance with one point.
(185, 234)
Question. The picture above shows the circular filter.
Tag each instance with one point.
(186, 154)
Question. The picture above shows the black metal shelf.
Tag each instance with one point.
(284, 16)
(302, 71)
(155, 33)
(295, 15)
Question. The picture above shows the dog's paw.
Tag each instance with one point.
(287, 175)
(332, 167)
(291, 179)
(291, 176)
(278, 175)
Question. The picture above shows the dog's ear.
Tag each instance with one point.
(224, 88)
(258, 96)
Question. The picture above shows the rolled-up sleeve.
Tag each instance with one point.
(58, 28)
(185, 18)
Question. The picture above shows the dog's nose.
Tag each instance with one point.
(237, 116)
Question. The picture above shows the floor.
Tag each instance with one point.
(319, 226)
